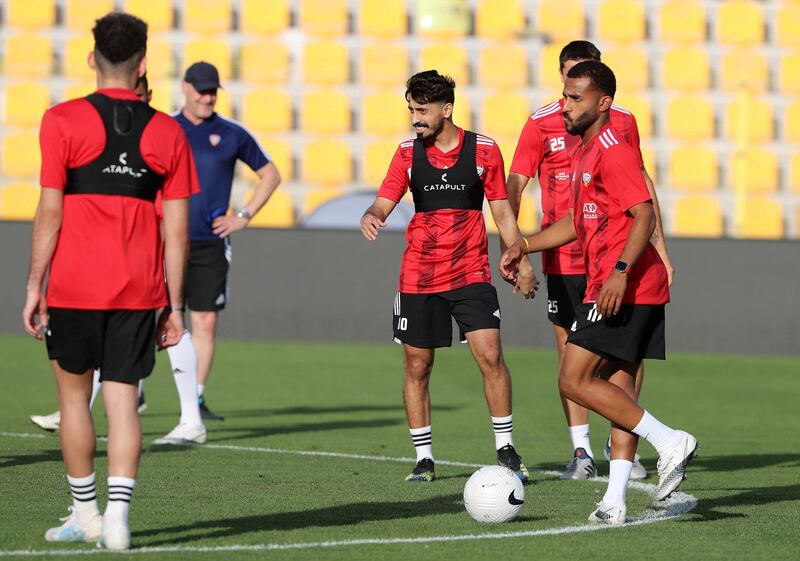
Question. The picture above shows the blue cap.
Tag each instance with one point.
(203, 76)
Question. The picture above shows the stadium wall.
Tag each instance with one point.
(729, 296)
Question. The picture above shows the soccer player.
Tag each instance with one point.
(217, 143)
(542, 150)
(445, 270)
(621, 320)
(96, 236)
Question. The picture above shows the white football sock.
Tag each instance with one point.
(423, 442)
(183, 359)
(579, 434)
(95, 388)
(656, 433)
(120, 490)
(503, 431)
(141, 388)
(200, 389)
(618, 476)
(84, 497)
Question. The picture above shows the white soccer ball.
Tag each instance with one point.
(494, 494)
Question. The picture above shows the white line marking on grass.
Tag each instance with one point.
(677, 505)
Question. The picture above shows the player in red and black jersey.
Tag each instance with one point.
(105, 159)
(445, 270)
(543, 150)
(621, 321)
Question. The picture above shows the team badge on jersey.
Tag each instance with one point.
(479, 169)
(214, 139)
(587, 177)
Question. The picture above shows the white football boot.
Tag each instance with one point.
(613, 514)
(184, 433)
(672, 465)
(49, 422)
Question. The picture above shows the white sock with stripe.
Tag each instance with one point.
(503, 431)
(618, 476)
(579, 434)
(84, 496)
(120, 490)
(183, 359)
(423, 442)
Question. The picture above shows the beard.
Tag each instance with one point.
(579, 125)
(430, 131)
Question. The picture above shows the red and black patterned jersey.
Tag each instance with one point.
(446, 248)
(607, 180)
(543, 148)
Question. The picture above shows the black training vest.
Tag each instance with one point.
(458, 187)
(120, 169)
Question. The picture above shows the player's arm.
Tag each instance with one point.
(268, 180)
(613, 289)
(375, 216)
(658, 239)
(560, 233)
(176, 253)
(507, 226)
(46, 226)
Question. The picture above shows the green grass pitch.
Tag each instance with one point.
(250, 488)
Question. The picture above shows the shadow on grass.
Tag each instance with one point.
(323, 410)
(707, 509)
(39, 457)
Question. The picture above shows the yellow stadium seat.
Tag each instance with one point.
(215, 51)
(384, 114)
(160, 62)
(207, 16)
(641, 109)
(18, 201)
(548, 73)
(763, 219)
(528, 219)
(507, 146)
(157, 13)
(504, 114)
(686, 69)
(28, 55)
(317, 197)
(749, 119)
(786, 19)
(280, 151)
(740, 22)
(621, 21)
(267, 110)
(682, 21)
(224, 105)
(690, 118)
(503, 65)
(25, 103)
(383, 64)
(325, 63)
(694, 168)
(442, 19)
(326, 162)
(76, 53)
(31, 14)
(791, 122)
(500, 19)
(325, 112)
(649, 161)
(794, 177)
(462, 112)
(375, 161)
(163, 99)
(264, 17)
(264, 61)
(20, 154)
(385, 19)
(448, 58)
(630, 66)
(79, 15)
(561, 19)
(742, 69)
(324, 17)
(789, 74)
(278, 212)
(754, 170)
(79, 89)
(698, 217)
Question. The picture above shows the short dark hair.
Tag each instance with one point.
(600, 76)
(120, 42)
(431, 87)
(578, 50)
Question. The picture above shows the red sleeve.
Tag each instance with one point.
(53, 146)
(395, 184)
(528, 154)
(633, 140)
(181, 181)
(165, 149)
(494, 179)
(622, 176)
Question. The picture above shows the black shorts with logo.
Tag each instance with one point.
(424, 320)
(564, 297)
(206, 286)
(634, 334)
(121, 343)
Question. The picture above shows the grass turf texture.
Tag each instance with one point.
(347, 398)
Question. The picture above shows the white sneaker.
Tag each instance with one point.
(638, 471)
(613, 515)
(116, 534)
(184, 434)
(49, 422)
(672, 465)
(72, 531)
(580, 467)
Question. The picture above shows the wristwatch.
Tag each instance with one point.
(621, 267)
(244, 213)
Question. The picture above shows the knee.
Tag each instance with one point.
(491, 361)
(418, 369)
(205, 322)
(568, 386)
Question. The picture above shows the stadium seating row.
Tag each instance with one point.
(733, 22)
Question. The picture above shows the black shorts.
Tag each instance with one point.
(121, 343)
(206, 287)
(564, 297)
(635, 333)
(423, 320)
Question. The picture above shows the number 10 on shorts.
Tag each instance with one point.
(402, 324)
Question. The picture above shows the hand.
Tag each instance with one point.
(169, 328)
(370, 225)
(35, 304)
(509, 262)
(527, 283)
(611, 293)
(225, 225)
